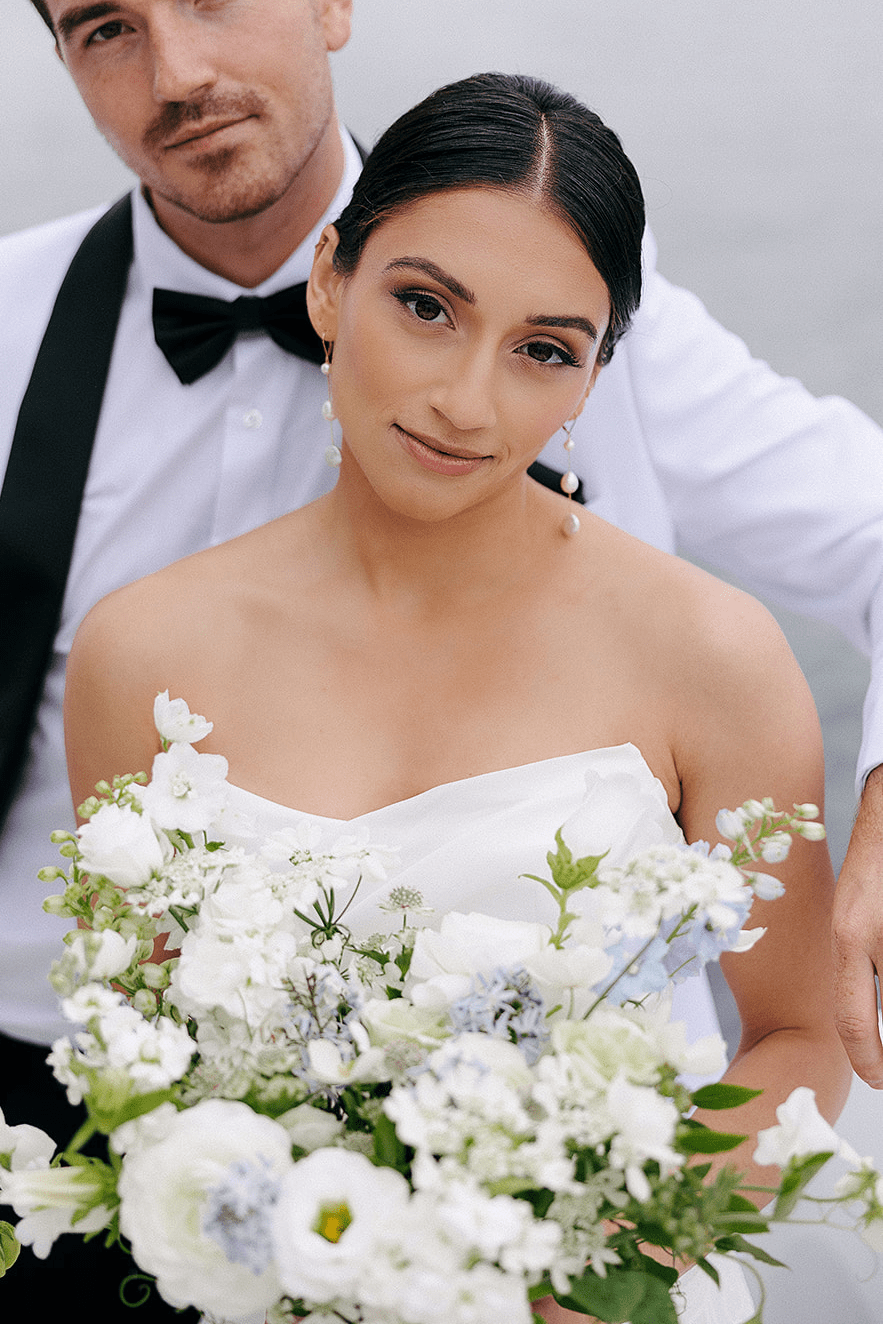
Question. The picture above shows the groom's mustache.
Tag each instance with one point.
(211, 110)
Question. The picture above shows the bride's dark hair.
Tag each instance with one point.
(522, 135)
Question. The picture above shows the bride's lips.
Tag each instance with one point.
(441, 459)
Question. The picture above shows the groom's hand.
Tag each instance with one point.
(858, 936)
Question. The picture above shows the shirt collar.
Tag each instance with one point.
(158, 260)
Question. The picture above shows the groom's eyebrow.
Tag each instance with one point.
(434, 272)
(74, 18)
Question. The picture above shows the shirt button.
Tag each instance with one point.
(253, 419)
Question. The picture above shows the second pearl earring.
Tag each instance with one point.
(333, 455)
(569, 483)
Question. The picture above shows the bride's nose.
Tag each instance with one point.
(465, 392)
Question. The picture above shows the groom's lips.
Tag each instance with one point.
(438, 456)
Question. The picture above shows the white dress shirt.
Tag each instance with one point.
(685, 441)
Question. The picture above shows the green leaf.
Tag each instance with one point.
(742, 1216)
(705, 1141)
(707, 1267)
(9, 1247)
(744, 1247)
(797, 1176)
(389, 1152)
(723, 1096)
(623, 1296)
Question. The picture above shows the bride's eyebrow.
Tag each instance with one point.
(566, 321)
(434, 272)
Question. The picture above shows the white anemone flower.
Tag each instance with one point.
(325, 1223)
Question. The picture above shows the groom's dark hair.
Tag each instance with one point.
(524, 136)
(44, 14)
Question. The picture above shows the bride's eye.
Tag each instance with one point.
(423, 306)
(542, 351)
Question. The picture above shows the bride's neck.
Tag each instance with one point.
(468, 557)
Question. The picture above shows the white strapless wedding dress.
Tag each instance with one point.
(464, 845)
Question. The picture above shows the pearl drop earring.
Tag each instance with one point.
(333, 455)
(569, 483)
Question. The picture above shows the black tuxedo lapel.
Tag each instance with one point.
(43, 488)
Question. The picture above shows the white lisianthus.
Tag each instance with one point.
(47, 1200)
(801, 1130)
(444, 962)
(23, 1146)
(175, 722)
(120, 844)
(187, 791)
(329, 1066)
(619, 817)
(325, 1225)
(166, 1187)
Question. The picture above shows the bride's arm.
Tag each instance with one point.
(110, 687)
(750, 731)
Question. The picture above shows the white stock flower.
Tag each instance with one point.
(120, 844)
(801, 1130)
(165, 1187)
(620, 815)
(645, 1128)
(187, 790)
(325, 1224)
(175, 722)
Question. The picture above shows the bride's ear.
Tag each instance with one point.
(324, 286)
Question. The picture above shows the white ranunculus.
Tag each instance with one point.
(120, 844)
(175, 722)
(801, 1130)
(325, 1225)
(444, 962)
(187, 790)
(621, 815)
(165, 1185)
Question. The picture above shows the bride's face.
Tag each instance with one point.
(468, 333)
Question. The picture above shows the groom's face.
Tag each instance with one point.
(216, 105)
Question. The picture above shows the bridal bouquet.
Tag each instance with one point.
(441, 1123)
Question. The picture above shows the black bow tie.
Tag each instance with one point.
(195, 332)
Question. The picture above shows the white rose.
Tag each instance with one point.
(622, 815)
(187, 790)
(399, 1019)
(175, 722)
(165, 1187)
(324, 1225)
(120, 844)
(444, 962)
(311, 1128)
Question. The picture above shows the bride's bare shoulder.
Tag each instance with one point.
(697, 627)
